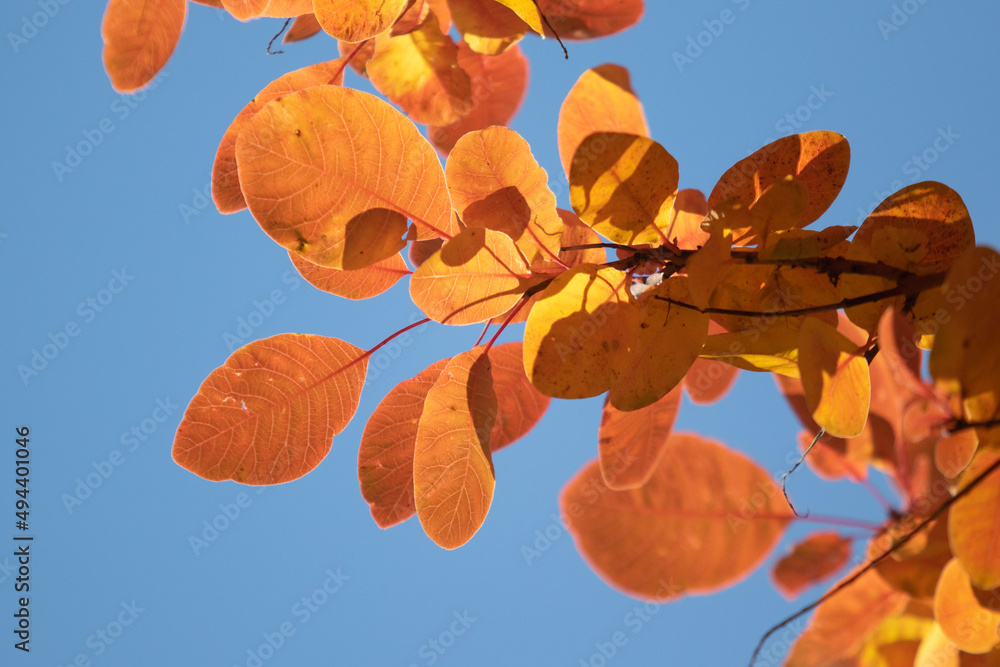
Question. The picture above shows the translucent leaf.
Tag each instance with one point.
(333, 174)
(666, 343)
(498, 87)
(303, 27)
(473, 277)
(496, 183)
(226, 190)
(915, 568)
(357, 20)
(623, 185)
(363, 52)
(579, 333)
(139, 37)
(630, 443)
(962, 617)
(810, 562)
(684, 228)
(841, 624)
(835, 378)
(420, 251)
(601, 101)
(576, 233)
(245, 10)
(707, 381)
(704, 520)
(973, 526)
(487, 26)
(269, 414)
(778, 209)
(922, 229)
(364, 283)
(453, 476)
(588, 19)
(419, 72)
(519, 405)
(385, 457)
(528, 12)
(416, 12)
(819, 160)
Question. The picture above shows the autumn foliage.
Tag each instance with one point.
(641, 292)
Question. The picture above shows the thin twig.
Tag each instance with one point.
(549, 26)
(802, 458)
(269, 44)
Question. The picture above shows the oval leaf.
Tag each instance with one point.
(964, 619)
(588, 19)
(973, 527)
(363, 283)
(835, 379)
(519, 404)
(269, 414)
(357, 20)
(630, 443)
(453, 476)
(810, 562)
(139, 37)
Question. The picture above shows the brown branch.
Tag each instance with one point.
(548, 25)
(271, 43)
(956, 424)
(895, 547)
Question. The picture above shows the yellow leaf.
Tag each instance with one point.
(357, 20)
(835, 379)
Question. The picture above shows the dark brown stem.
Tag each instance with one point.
(271, 43)
(545, 19)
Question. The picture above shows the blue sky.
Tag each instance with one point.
(105, 251)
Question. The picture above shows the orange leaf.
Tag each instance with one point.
(973, 526)
(804, 243)
(835, 379)
(496, 183)
(245, 10)
(841, 624)
(527, 10)
(333, 173)
(303, 27)
(415, 13)
(587, 19)
(473, 277)
(705, 519)
(579, 333)
(810, 562)
(778, 209)
(139, 36)
(899, 352)
(357, 20)
(602, 100)
(487, 26)
(576, 233)
(819, 160)
(623, 185)
(964, 619)
(419, 72)
(922, 229)
(665, 344)
(519, 404)
(913, 569)
(498, 86)
(225, 173)
(689, 210)
(708, 380)
(269, 414)
(385, 458)
(630, 443)
(364, 283)
(453, 476)
(363, 52)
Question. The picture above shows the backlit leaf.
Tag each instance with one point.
(819, 160)
(245, 10)
(496, 183)
(623, 185)
(810, 562)
(803, 243)
(688, 212)
(630, 443)
(385, 457)
(835, 378)
(487, 26)
(705, 519)
(527, 10)
(333, 173)
(362, 53)
(225, 173)
(357, 20)
(587, 19)
(519, 404)
(139, 37)
(709, 380)
(964, 619)
(473, 277)
(415, 13)
(601, 101)
(498, 87)
(303, 27)
(778, 209)
(363, 283)
(269, 414)
(419, 72)
(841, 624)
(913, 569)
(576, 233)
(453, 476)
(973, 526)
(579, 332)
